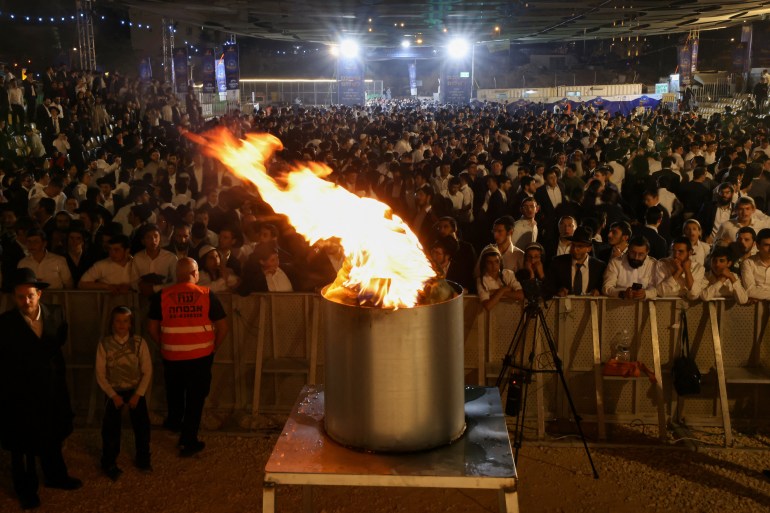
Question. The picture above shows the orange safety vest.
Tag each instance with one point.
(186, 332)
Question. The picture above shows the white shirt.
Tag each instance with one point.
(524, 232)
(402, 146)
(488, 284)
(666, 199)
(729, 229)
(554, 194)
(513, 257)
(60, 200)
(109, 272)
(619, 276)
(52, 269)
(674, 286)
(220, 284)
(755, 276)
(164, 264)
(278, 281)
(467, 200)
(618, 173)
(721, 217)
(36, 324)
(723, 288)
(700, 251)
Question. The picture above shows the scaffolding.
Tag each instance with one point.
(85, 27)
(167, 36)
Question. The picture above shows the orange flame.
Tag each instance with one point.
(385, 264)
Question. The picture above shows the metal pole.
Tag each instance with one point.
(166, 60)
(85, 28)
(473, 62)
(171, 52)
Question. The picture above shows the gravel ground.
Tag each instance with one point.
(555, 477)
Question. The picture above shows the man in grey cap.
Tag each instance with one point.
(35, 411)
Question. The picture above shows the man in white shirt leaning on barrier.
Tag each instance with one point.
(633, 276)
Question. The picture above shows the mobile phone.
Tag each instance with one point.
(636, 286)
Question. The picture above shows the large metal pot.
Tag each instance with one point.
(394, 378)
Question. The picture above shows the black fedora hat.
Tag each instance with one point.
(582, 235)
(26, 276)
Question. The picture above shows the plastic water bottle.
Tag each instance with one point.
(622, 342)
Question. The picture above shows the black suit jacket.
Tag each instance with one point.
(693, 196)
(559, 275)
(34, 402)
(548, 209)
(254, 280)
(658, 245)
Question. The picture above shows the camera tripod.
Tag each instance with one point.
(518, 382)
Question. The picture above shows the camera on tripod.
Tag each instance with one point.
(515, 388)
(533, 290)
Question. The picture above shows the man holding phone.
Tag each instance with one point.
(633, 275)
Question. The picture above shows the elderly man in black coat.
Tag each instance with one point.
(35, 411)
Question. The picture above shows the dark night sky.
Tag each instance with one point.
(46, 42)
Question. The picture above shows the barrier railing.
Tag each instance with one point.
(275, 346)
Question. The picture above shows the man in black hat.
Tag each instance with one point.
(35, 412)
(576, 273)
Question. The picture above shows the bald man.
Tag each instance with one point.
(189, 324)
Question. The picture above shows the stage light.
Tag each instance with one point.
(405, 44)
(458, 48)
(348, 48)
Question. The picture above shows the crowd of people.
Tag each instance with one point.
(128, 194)
(100, 189)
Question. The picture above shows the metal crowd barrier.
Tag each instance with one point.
(275, 347)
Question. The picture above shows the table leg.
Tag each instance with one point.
(509, 500)
(307, 499)
(268, 497)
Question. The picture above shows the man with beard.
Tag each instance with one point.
(617, 238)
(633, 276)
(742, 248)
(714, 213)
(37, 416)
(180, 242)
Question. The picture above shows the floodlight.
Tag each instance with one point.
(458, 48)
(405, 44)
(348, 48)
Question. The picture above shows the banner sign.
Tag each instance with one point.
(685, 65)
(232, 68)
(208, 67)
(695, 45)
(457, 89)
(220, 72)
(625, 105)
(351, 89)
(180, 69)
(145, 69)
(413, 79)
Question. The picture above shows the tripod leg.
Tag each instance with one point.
(518, 437)
(502, 378)
(527, 378)
(560, 371)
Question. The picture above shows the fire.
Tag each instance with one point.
(385, 265)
